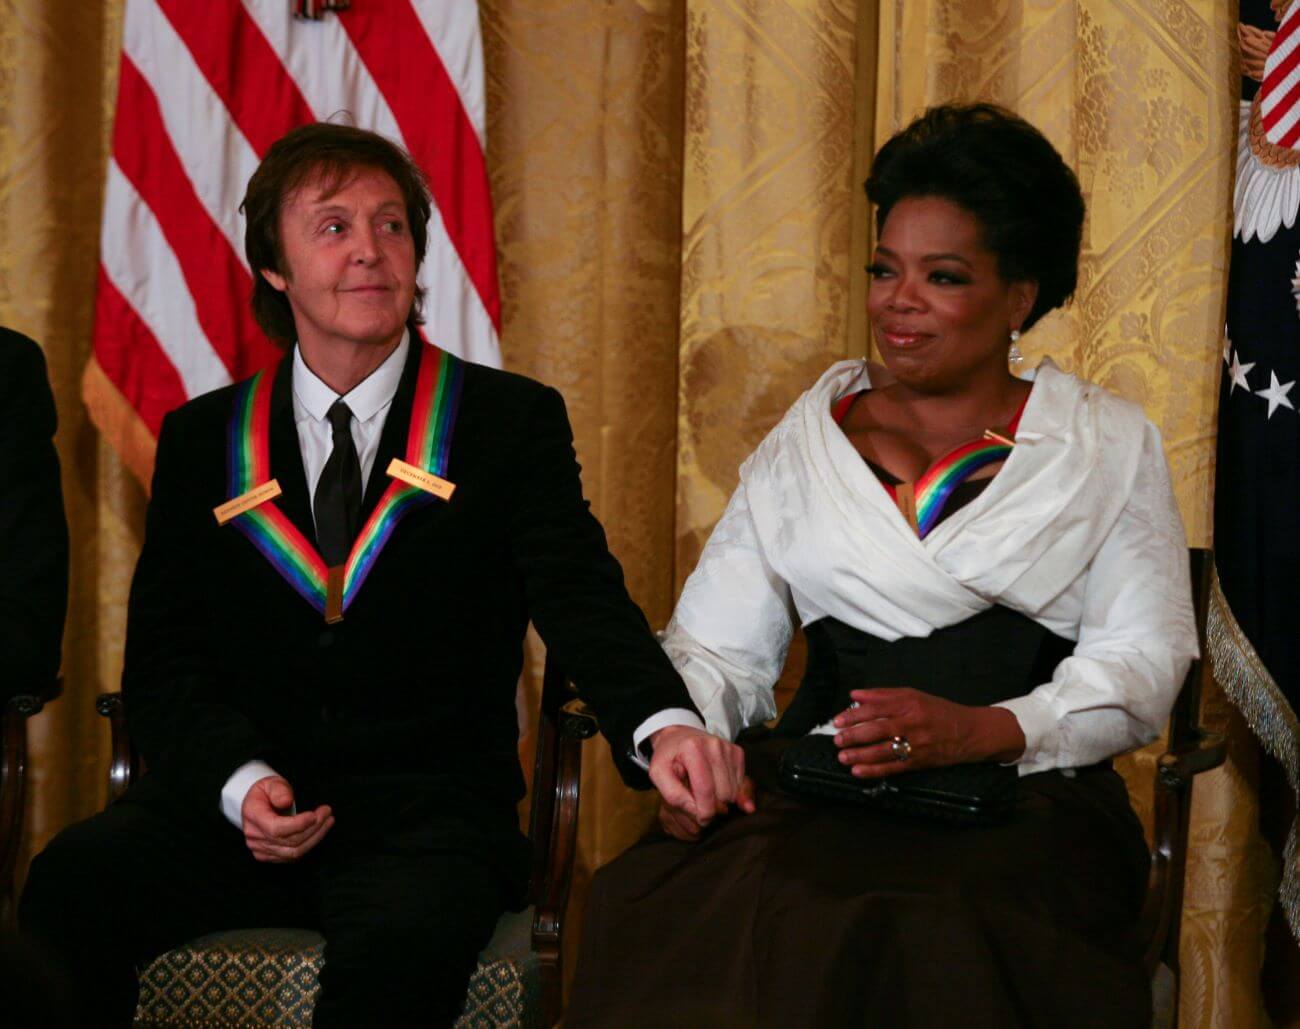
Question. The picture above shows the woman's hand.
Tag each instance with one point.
(936, 732)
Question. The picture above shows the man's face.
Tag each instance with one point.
(349, 261)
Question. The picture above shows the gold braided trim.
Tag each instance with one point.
(1248, 684)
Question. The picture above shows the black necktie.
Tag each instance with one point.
(338, 493)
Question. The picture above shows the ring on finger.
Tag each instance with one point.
(901, 747)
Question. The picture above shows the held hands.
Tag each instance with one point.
(698, 776)
(937, 732)
(270, 832)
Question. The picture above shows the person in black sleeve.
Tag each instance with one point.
(33, 602)
(33, 531)
(321, 676)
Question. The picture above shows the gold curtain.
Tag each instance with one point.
(584, 150)
(681, 232)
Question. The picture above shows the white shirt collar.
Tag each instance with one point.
(366, 399)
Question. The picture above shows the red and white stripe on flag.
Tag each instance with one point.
(1279, 93)
(205, 89)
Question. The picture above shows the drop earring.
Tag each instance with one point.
(1013, 352)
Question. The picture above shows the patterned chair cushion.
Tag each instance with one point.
(267, 977)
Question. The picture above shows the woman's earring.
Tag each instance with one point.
(1013, 353)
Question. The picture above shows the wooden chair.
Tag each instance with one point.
(13, 784)
(1189, 751)
(268, 977)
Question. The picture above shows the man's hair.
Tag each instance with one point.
(329, 156)
(1002, 170)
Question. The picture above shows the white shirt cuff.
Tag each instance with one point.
(237, 787)
(1038, 723)
(668, 716)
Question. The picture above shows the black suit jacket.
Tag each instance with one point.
(33, 531)
(406, 709)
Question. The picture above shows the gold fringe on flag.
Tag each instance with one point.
(315, 10)
(1248, 684)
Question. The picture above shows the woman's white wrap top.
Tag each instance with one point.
(1078, 530)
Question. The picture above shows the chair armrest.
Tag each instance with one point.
(13, 759)
(578, 721)
(1207, 750)
(23, 706)
(564, 722)
(574, 722)
(13, 781)
(125, 764)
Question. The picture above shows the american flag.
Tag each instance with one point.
(1251, 632)
(206, 86)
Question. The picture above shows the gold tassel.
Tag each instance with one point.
(1248, 684)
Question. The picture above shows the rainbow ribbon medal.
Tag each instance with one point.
(933, 489)
(417, 482)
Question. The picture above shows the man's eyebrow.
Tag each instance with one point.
(328, 208)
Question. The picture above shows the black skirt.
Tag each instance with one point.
(809, 913)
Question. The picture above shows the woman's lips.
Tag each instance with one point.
(904, 340)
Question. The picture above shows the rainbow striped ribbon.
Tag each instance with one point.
(935, 487)
(428, 445)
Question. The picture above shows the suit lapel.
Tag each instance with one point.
(286, 454)
(392, 441)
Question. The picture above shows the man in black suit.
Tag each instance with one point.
(371, 761)
(33, 532)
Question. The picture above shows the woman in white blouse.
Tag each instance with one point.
(989, 567)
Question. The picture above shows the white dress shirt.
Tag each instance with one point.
(1078, 530)
(369, 402)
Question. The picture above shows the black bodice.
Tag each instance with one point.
(995, 655)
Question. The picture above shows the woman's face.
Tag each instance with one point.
(942, 313)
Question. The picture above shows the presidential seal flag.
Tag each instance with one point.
(1254, 631)
(205, 87)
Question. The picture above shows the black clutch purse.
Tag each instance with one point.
(974, 794)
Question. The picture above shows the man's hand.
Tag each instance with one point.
(270, 832)
(698, 775)
(682, 824)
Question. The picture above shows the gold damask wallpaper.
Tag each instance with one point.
(682, 231)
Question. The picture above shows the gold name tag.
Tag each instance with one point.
(420, 479)
(269, 490)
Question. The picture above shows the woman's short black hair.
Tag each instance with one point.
(1003, 171)
(328, 155)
